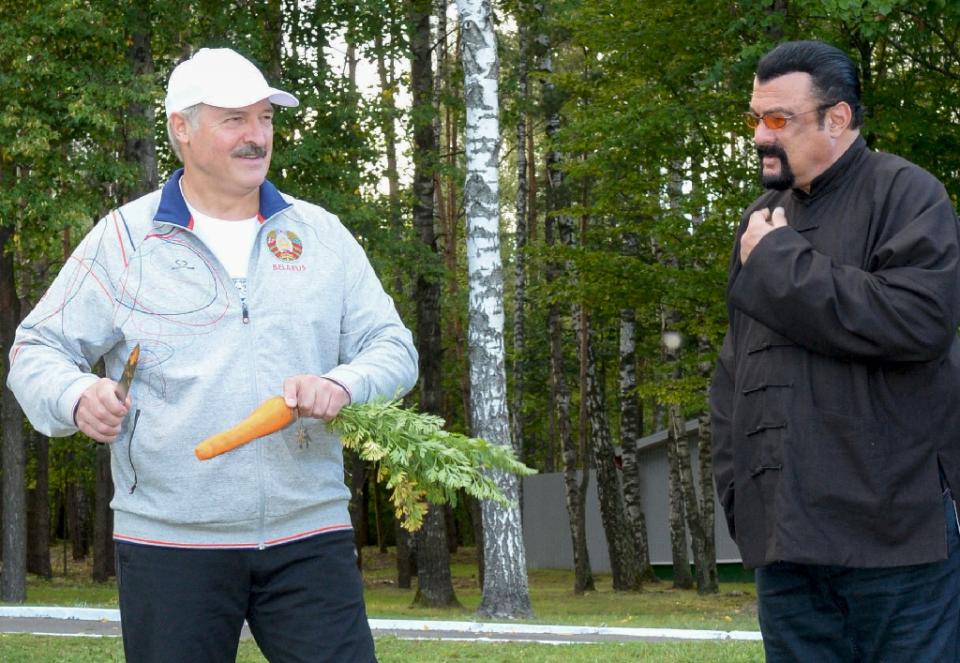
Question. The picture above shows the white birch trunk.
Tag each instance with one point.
(505, 592)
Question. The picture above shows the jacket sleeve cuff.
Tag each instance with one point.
(67, 404)
(342, 386)
(351, 381)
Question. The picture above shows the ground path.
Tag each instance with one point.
(96, 622)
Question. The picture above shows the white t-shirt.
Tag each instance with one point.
(230, 241)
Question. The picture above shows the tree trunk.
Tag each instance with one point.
(139, 141)
(711, 582)
(574, 485)
(520, 264)
(476, 522)
(274, 35)
(406, 561)
(38, 510)
(551, 444)
(505, 591)
(103, 551)
(708, 581)
(453, 539)
(435, 584)
(352, 62)
(388, 95)
(13, 580)
(678, 458)
(688, 491)
(78, 518)
(576, 468)
(60, 529)
(374, 489)
(684, 516)
(682, 579)
(13, 587)
(448, 218)
(631, 425)
(434, 581)
(357, 480)
(388, 113)
(442, 129)
(624, 561)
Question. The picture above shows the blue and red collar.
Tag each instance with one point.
(173, 208)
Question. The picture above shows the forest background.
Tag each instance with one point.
(624, 166)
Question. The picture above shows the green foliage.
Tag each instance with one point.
(418, 460)
(654, 150)
(65, 83)
(656, 172)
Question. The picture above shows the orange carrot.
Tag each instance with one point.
(269, 417)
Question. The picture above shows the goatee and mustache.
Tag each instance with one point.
(785, 178)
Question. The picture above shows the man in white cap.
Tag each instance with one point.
(234, 293)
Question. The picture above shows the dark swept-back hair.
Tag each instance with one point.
(834, 74)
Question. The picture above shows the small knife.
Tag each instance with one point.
(123, 386)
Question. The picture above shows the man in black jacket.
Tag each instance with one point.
(836, 398)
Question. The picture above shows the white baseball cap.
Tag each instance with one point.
(220, 77)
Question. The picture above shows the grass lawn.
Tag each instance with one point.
(17, 648)
(657, 605)
(551, 593)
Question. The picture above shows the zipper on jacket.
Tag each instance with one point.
(245, 312)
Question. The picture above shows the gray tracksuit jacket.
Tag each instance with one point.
(313, 306)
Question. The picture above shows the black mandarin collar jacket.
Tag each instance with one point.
(837, 390)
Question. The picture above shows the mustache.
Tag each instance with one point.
(772, 151)
(250, 150)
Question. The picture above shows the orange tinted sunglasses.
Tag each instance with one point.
(776, 120)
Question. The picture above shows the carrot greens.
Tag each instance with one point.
(419, 461)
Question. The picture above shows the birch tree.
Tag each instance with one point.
(708, 580)
(505, 592)
(624, 557)
(576, 466)
(558, 231)
(631, 425)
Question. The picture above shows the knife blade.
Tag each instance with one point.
(123, 386)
